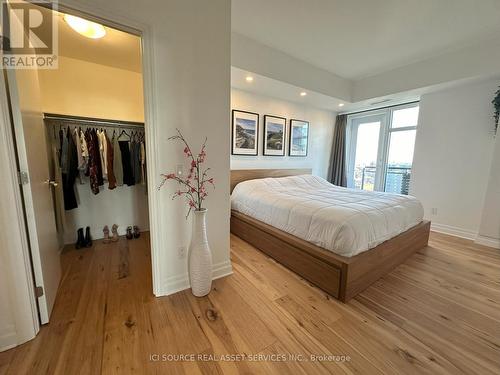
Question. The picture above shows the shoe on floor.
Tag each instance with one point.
(80, 242)
(88, 238)
(106, 235)
(114, 230)
(137, 234)
(129, 234)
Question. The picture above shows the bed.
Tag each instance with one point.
(341, 240)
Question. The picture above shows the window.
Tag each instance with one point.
(380, 146)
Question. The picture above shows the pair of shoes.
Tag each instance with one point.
(135, 234)
(83, 241)
(107, 238)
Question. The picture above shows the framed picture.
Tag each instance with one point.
(274, 135)
(299, 137)
(245, 132)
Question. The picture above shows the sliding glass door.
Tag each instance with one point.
(380, 149)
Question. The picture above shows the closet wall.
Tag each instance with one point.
(82, 88)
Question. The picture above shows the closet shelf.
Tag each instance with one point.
(96, 122)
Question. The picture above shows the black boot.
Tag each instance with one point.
(80, 242)
(88, 239)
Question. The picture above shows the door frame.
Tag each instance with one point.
(112, 19)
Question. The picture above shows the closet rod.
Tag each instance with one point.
(94, 121)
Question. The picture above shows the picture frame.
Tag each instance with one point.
(274, 139)
(245, 133)
(298, 142)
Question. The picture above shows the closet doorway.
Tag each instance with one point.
(80, 136)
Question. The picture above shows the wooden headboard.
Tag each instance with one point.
(240, 175)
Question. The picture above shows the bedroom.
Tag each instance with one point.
(395, 273)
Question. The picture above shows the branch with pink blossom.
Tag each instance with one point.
(193, 187)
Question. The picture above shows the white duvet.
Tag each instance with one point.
(345, 221)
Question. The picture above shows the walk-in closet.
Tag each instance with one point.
(81, 137)
(93, 113)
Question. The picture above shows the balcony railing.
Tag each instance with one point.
(397, 179)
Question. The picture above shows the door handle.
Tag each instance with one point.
(52, 183)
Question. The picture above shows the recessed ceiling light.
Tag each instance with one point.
(249, 78)
(341, 104)
(84, 27)
(303, 93)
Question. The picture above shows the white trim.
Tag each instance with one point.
(453, 231)
(487, 241)
(177, 283)
(108, 16)
(8, 338)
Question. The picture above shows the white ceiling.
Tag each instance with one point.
(116, 49)
(359, 38)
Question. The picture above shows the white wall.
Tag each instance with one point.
(82, 88)
(453, 153)
(321, 126)
(124, 206)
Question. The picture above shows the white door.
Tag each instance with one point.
(364, 159)
(30, 139)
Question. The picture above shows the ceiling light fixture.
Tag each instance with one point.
(303, 93)
(249, 78)
(84, 27)
(341, 104)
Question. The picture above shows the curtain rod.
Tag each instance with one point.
(375, 109)
(94, 121)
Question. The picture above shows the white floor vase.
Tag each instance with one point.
(200, 256)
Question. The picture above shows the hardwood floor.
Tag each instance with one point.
(439, 312)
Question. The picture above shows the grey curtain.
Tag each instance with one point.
(338, 160)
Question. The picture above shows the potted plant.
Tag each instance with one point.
(193, 188)
(496, 105)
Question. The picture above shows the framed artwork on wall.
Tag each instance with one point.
(245, 130)
(274, 135)
(299, 138)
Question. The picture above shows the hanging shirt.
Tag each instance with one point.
(103, 153)
(128, 176)
(76, 140)
(143, 163)
(69, 177)
(117, 162)
(109, 163)
(84, 150)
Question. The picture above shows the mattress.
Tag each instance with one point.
(344, 221)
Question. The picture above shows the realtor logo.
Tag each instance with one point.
(29, 35)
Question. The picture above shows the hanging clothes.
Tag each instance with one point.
(101, 134)
(76, 139)
(64, 152)
(69, 177)
(109, 163)
(97, 157)
(128, 177)
(58, 192)
(93, 162)
(137, 163)
(84, 150)
(143, 163)
(117, 162)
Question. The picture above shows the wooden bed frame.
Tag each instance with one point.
(340, 276)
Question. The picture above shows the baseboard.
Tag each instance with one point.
(8, 338)
(487, 241)
(178, 283)
(453, 231)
